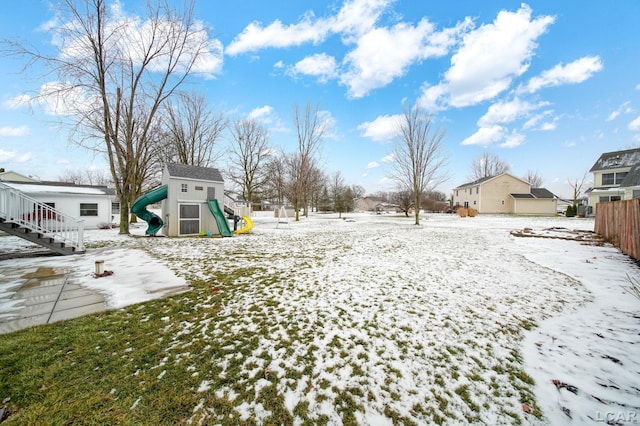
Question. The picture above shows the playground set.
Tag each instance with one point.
(191, 198)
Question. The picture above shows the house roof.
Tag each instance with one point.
(542, 193)
(58, 188)
(194, 172)
(488, 178)
(522, 195)
(632, 178)
(617, 160)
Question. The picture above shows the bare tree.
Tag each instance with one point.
(488, 165)
(115, 74)
(576, 186)
(338, 193)
(191, 130)
(248, 153)
(275, 186)
(404, 199)
(358, 191)
(311, 128)
(534, 178)
(86, 177)
(418, 155)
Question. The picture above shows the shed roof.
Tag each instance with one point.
(617, 159)
(194, 172)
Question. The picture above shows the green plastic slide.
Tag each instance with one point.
(139, 208)
(223, 225)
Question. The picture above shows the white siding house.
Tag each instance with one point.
(92, 204)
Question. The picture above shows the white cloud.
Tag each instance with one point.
(490, 58)
(551, 125)
(634, 125)
(485, 136)
(136, 36)
(572, 73)
(14, 131)
(506, 112)
(255, 37)
(388, 158)
(6, 155)
(354, 18)
(320, 65)
(513, 140)
(625, 108)
(384, 54)
(17, 101)
(382, 129)
(24, 158)
(261, 113)
(373, 165)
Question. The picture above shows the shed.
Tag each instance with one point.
(193, 201)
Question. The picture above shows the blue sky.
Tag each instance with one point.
(544, 85)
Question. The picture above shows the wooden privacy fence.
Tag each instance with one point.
(619, 223)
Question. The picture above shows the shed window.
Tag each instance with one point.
(199, 188)
(189, 219)
(88, 209)
(183, 187)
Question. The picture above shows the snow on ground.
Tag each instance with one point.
(419, 323)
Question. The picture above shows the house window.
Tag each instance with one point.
(189, 219)
(604, 199)
(457, 193)
(199, 188)
(183, 187)
(613, 178)
(502, 202)
(474, 202)
(88, 209)
(477, 189)
(115, 207)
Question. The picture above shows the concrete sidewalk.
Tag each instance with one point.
(41, 295)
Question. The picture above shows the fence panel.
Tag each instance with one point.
(619, 223)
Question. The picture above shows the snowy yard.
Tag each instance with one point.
(372, 320)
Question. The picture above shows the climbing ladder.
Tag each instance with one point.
(32, 220)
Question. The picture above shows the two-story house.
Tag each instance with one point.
(506, 194)
(616, 176)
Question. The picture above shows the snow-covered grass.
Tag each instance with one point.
(372, 320)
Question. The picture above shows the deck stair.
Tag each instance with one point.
(32, 220)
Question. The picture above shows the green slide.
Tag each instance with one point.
(223, 225)
(139, 208)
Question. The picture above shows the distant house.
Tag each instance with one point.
(505, 194)
(373, 204)
(616, 176)
(12, 176)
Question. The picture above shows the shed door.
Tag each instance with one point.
(211, 192)
(189, 219)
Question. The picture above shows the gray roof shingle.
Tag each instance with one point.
(194, 172)
(617, 159)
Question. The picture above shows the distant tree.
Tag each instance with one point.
(418, 154)
(576, 186)
(86, 177)
(276, 184)
(340, 194)
(358, 191)
(311, 128)
(404, 199)
(534, 178)
(249, 152)
(191, 130)
(112, 78)
(488, 165)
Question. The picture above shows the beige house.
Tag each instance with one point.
(616, 176)
(505, 194)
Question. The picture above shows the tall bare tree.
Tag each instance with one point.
(311, 127)
(191, 130)
(534, 178)
(114, 74)
(86, 177)
(488, 165)
(418, 155)
(249, 153)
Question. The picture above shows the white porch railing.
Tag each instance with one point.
(16, 207)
